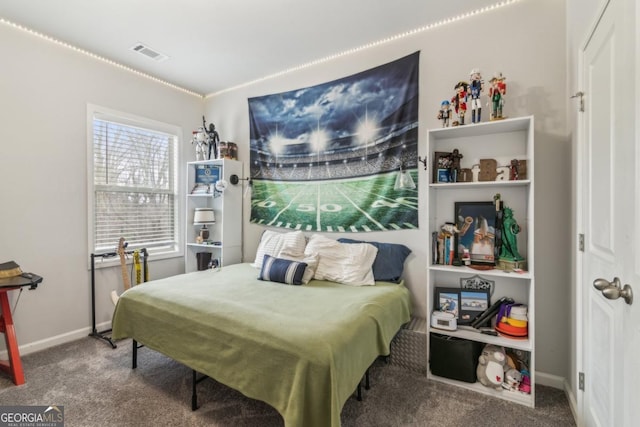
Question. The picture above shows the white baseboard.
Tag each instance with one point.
(573, 403)
(54, 341)
(550, 380)
(562, 384)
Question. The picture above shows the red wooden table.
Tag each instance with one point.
(13, 366)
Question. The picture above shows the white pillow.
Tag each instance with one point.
(273, 243)
(346, 263)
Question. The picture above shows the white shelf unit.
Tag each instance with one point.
(227, 207)
(503, 141)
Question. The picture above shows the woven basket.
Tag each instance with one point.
(409, 346)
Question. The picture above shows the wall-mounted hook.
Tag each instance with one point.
(423, 161)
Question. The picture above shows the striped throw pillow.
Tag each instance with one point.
(282, 270)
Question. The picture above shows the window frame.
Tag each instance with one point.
(128, 119)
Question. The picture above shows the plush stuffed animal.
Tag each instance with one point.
(490, 369)
(512, 379)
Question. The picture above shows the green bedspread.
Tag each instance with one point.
(301, 349)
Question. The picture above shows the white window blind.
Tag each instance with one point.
(134, 185)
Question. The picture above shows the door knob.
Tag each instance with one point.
(602, 284)
(613, 289)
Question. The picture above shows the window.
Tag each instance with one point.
(133, 183)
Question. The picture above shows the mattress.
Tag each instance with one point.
(301, 349)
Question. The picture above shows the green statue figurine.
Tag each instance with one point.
(509, 248)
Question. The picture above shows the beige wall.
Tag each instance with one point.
(45, 88)
(44, 91)
(526, 42)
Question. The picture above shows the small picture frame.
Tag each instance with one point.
(441, 167)
(448, 300)
(476, 222)
(472, 303)
(207, 174)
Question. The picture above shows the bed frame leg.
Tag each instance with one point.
(134, 355)
(194, 394)
(366, 379)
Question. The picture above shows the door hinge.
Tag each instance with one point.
(581, 242)
(581, 380)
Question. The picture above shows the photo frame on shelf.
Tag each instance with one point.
(476, 223)
(441, 167)
(207, 174)
(447, 299)
(472, 303)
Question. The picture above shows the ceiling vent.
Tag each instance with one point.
(148, 52)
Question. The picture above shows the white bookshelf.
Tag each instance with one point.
(227, 206)
(500, 140)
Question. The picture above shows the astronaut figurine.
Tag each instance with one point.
(445, 113)
(476, 86)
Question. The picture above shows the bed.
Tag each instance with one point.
(301, 349)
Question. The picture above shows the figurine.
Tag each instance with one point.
(200, 140)
(455, 165)
(214, 138)
(445, 113)
(514, 173)
(497, 92)
(459, 101)
(450, 228)
(512, 379)
(476, 86)
(509, 248)
(203, 137)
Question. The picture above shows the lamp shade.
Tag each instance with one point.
(204, 216)
(404, 181)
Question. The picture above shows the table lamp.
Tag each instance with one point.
(204, 216)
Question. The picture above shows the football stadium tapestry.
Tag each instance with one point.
(340, 156)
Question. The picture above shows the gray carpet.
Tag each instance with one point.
(97, 387)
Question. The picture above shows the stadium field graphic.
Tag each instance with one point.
(351, 205)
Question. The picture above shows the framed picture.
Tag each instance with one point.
(207, 174)
(472, 303)
(441, 167)
(447, 299)
(476, 222)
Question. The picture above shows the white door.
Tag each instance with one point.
(610, 200)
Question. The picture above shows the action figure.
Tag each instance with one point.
(200, 139)
(459, 101)
(214, 139)
(497, 92)
(455, 165)
(514, 170)
(476, 86)
(203, 137)
(445, 113)
(509, 248)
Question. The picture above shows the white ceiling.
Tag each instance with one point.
(215, 45)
